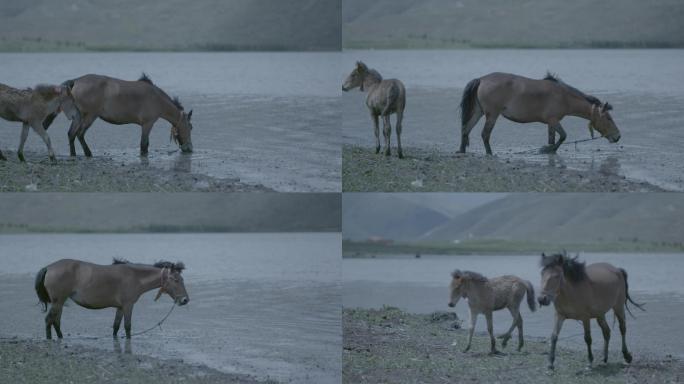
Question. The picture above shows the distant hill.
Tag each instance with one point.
(176, 212)
(170, 25)
(571, 217)
(366, 215)
(512, 23)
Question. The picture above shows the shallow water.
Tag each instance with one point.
(646, 88)
(421, 286)
(261, 117)
(261, 304)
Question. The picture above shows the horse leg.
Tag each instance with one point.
(2, 157)
(86, 123)
(376, 124)
(601, 320)
(521, 340)
(487, 131)
(587, 339)
(38, 128)
(620, 314)
(387, 131)
(473, 321)
(57, 320)
(490, 329)
(554, 338)
(48, 324)
(73, 129)
(552, 135)
(465, 130)
(145, 138)
(400, 117)
(128, 313)
(552, 148)
(117, 322)
(22, 141)
(507, 336)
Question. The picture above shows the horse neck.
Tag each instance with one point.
(149, 277)
(169, 111)
(371, 81)
(580, 107)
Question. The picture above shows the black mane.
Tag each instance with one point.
(145, 78)
(177, 103)
(120, 261)
(553, 77)
(572, 268)
(176, 267)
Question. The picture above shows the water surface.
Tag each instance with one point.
(261, 117)
(261, 304)
(646, 88)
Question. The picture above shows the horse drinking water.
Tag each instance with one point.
(583, 293)
(525, 100)
(488, 295)
(94, 286)
(385, 97)
(125, 102)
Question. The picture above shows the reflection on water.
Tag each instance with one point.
(648, 105)
(117, 346)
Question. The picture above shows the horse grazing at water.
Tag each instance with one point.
(31, 107)
(125, 102)
(488, 295)
(385, 97)
(524, 100)
(583, 293)
(94, 286)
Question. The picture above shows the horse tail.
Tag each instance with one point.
(469, 101)
(530, 296)
(49, 119)
(629, 299)
(42, 293)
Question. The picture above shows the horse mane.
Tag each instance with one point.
(176, 267)
(374, 74)
(470, 275)
(554, 78)
(120, 261)
(177, 103)
(145, 79)
(573, 269)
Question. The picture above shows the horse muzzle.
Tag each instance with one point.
(183, 300)
(345, 89)
(187, 148)
(544, 300)
(451, 304)
(614, 138)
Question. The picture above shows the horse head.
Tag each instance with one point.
(601, 120)
(172, 282)
(181, 132)
(356, 77)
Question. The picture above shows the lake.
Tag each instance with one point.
(261, 304)
(261, 117)
(422, 286)
(645, 87)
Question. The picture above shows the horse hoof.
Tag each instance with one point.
(401, 155)
(496, 353)
(550, 367)
(377, 150)
(628, 357)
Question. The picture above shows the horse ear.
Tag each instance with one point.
(189, 115)
(361, 66)
(607, 107)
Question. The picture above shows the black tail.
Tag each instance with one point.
(49, 119)
(42, 293)
(530, 296)
(629, 299)
(468, 101)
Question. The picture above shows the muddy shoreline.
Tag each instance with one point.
(39, 361)
(430, 170)
(389, 345)
(105, 174)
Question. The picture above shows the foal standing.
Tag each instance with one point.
(488, 295)
(385, 97)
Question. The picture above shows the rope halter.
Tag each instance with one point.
(163, 283)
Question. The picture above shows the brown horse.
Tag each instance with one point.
(125, 102)
(488, 295)
(96, 286)
(31, 107)
(583, 293)
(525, 100)
(385, 97)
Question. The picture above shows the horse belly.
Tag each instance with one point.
(9, 114)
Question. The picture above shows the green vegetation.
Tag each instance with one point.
(365, 249)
